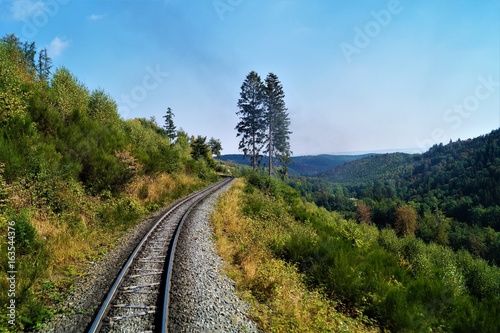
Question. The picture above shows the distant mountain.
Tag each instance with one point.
(374, 167)
(304, 165)
(461, 178)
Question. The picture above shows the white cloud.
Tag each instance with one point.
(23, 9)
(57, 45)
(95, 17)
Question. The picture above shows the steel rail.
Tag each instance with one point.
(171, 256)
(106, 305)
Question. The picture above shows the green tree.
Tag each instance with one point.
(102, 107)
(14, 74)
(216, 146)
(252, 125)
(71, 95)
(199, 147)
(44, 65)
(278, 122)
(169, 125)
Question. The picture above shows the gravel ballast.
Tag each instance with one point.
(203, 298)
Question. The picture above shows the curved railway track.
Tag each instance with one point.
(138, 301)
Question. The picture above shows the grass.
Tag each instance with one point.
(279, 297)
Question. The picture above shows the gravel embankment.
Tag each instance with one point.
(203, 298)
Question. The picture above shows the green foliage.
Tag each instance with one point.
(151, 149)
(13, 96)
(264, 122)
(169, 126)
(252, 125)
(31, 261)
(70, 94)
(199, 147)
(278, 123)
(454, 189)
(102, 107)
(215, 147)
(120, 212)
(68, 168)
(403, 283)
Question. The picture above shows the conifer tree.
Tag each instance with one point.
(278, 122)
(199, 147)
(169, 125)
(44, 65)
(252, 125)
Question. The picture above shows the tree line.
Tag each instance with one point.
(264, 122)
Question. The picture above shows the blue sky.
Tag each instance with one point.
(358, 75)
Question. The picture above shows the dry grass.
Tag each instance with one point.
(280, 300)
(77, 236)
(155, 187)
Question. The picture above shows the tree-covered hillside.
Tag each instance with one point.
(454, 190)
(74, 176)
(284, 252)
(462, 178)
(370, 168)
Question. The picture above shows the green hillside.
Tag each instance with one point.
(454, 190)
(74, 176)
(461, 178)
(305, 269)
(371, 168)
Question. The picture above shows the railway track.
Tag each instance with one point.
(139, 299)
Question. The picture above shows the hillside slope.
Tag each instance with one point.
(74, 176)
(268, 236)
(462, 178)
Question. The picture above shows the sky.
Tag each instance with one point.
(358, 75)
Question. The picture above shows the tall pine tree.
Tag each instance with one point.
(278, 122)
(44, 65)
(169, 125)
(252, 125)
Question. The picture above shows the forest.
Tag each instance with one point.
(396, 242)
(296, 263)
(74, 176)
(452, 191)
